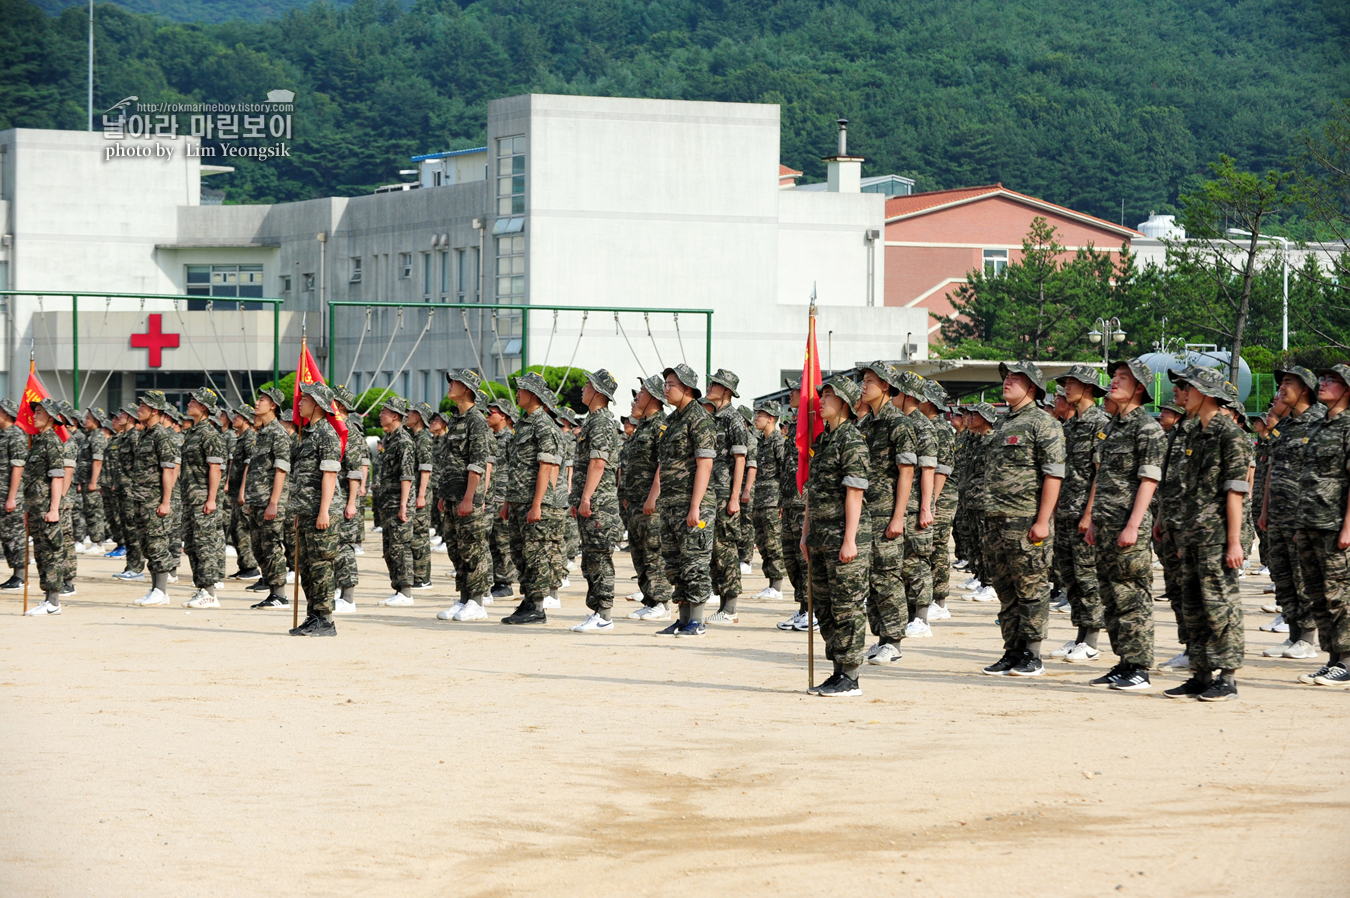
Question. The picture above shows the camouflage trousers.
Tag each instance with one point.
(687, 551)
(131, 516)
(539, 547)
(726, 555)
(571, 546)
(421, 544)
(960, 534)
(887, 608)
(68, 535)
(112, 511)
(1326, 575)
(316, 553)
(1280, 552)
(940, 562)
(75, 508)
(745, 547)
(269, 545)
(176, 528)
(12, 535)
(466, 541)
(499, 543)
(1126, 577)
(1173, 582)
(768, 526)
(1212, 608)
(837, 592)
(96, 522)
(794, 518)
(644, 546)
(1077, 562)
(204, 542)
(49, 549)
(153, 535)
(242, 537)
(396, 538)
(918, 566)
(600, 534)
(345, 574)
(1020, 572)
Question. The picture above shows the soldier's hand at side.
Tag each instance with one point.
(745, 497)
(505, 513)
(1089, 535)
(584, 509)
(692, 519)
(895, 528)
(403, 514)
(848, 551)
(440, 505)
(421, 502)
(349, 512)
(925, 518)
(1233, 557)
(1261, 522)
(209, 507)
(1157, 530)
(52, 517)
(734, 505)
(163, 510)
(649, 507)
(10, 506)
(1128, 537)
(801, 544)
(269, 513)
(464, 508)
(1343, 541)
(1038, 532)
(1085, 524)
(321, 522)
(533, 515)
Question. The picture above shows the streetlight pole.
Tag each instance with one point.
(1284, 257)
(1106, 331)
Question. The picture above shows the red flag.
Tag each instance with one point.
(307, 372)
(809, 425)
(33, 392)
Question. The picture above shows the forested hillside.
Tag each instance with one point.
(1083, 104)
(194, 10)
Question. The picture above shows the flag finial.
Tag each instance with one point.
(813, 299)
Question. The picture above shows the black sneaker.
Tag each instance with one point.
(1001, 667)
(1336, 675)
(1027, 666)
(1221, 690)
(1110, 677)
(251, 574)
(316, 626)
(693, 628)
(67, 589)
(1192, 688)
(272, 602)
(501, 591)
(525, 614)
(669, 631)
(300, 630)
(843, 685)
(1307, 678)
(1135, 679)
(14, 582)
(260, 586)
(833, 678)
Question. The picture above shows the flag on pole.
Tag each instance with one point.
(809, 425)
(33, 392)
(307, 372)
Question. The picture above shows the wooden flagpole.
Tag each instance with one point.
(300, 435)
(810, 598)
(32, 367)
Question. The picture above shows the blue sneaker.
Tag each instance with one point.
(693, 628)
(130, 575)
(119, 552)
(672, 630)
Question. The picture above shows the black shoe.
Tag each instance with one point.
(1133, 679)
(500, 591)
(1192, 688)
(526, 613)
(1222, 689)
(316, 626)
(1001, 667)
(843, 685)
(260, 586)
(14, 582)
(1027, 666)
(251, 574)
(300, 630)
(670, 630)
(272, 602)
(833, 678)
(67, 589)
(1110, 677)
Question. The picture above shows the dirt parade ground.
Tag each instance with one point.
(155, 751)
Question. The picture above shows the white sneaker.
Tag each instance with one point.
(938, 612)
(985, 594)
(636, 597)
(917, 629)
(1277, 625)
(1064, 649)
(1082, 653)
(801, 623)
(470, 612)
(1270, 608)
(173, 578)
(45, 608)
(441, 548)
(594, 624)
(358, 551)
(1264, 572)
(1177, 662)
(398, 600)
(651, 612)
(1279, 650)
(230, 552)
(551, 602)
(486, 600)
(770, 593)
(342, 606)
(449, 613)
(972, 584)
(377, 530)
(79, 549)
(885, 654)
(202, 599)
(437, 540)
(961, 564)
(722, 617)
(153, 597)
(571, 565)
(565, 582)
(220, 584)
(1301, 650)
(290, 577)
(745, 568)
(791, 622)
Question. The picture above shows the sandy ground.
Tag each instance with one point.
(153, 751)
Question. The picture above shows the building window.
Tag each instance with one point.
(285, 283)
(436, 179)
(426, 276)
(403, 384)
(462, 275)
(474, 280)
(426, 390)
(356, 383)
(224, 281)
(445, 275)
(307, 282)
(995, 260)
(356, 270)
(404, 266)
(511, 269)
(511, 176)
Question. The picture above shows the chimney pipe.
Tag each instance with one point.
(843, 136)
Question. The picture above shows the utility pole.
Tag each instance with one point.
(91, 65)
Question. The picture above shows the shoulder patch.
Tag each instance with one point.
(1011, 441)
(1101, 434)
(1275, 432)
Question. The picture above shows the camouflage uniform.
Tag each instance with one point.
(1285, 450)
(499, 538)
(13, 454)
(976, 498)
(1025, 447)
(919, 543)
(271, 453)
(469, 449)
(1129, 451)
(110, 486)
(203, 534)
(126, 465)
(70, 500)
(398, 464)
(745, 546)
(538, 545)
(176, 526)
(766, 515)
(1077, 561)
(1324, 484)
(240, 530)
(839, 462)
(601, 532)
(792, 510)
(45, 462)
(355, 461)
(893, 453)
(686, 551)
(421, 523)
(1172, 520)
(944, 506)
(571, 545)
(319, 454)
(644, 530)
(156, 451)
(732, 440)
(95, 448)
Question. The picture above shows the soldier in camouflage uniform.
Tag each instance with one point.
(594, 501)
(532, 502)
(126, 465)
(1075, 557)
(917, 567)
(893, 454)
(265, 491)
(745, 548)
(1128, 462)
(395, 493)
(1214, 481)
(43, 480)
(683, 498)
(1323, 537)
(153, 474)
(501, 417)
(177, 527)
(109, 483)
(203, 515)
(1173, 421)
(1235, 409)
(837, 537)
(70, 501)
(1280, 505)
(792, 511)
(466, 465)
(246, 440)
(728, 476)
(13, 456)
(418, 414)
(351, 486)
(981, 421)
(88, 474)
(1023, 470)
(315, 506)
(765, 515)
(945, 497)
(640, 462)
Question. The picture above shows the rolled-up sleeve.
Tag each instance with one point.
(906, 458)
(705, 453)
(739, 450)
(944, 470)
(857, 483)
(282, 464)
(354, 475)
(1150, 472)
(548, 458)
(426, 468)
(600, 454)
(18, 462)
(330, 465)
(56, 472)
(476, 469)
(168, 464)
(1053, 470)
(1237, 486)
(928, 461)
(214, 460)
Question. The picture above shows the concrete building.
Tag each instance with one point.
(579, 201)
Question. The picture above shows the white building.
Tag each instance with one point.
(576, 201)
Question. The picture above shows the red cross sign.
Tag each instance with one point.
(155, 340)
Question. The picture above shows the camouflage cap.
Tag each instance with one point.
(319, 393)
(603, 382)
(1025, 367)
(1060, 392)
(531, 382)
(934, 393)
(794, 384)
(274, 394)
(356, 421)
(1139, 370)
(104, 419)
(985, 411)
(1085, 375)
(69, 413)
(887, 372)
(344, 397)
(1309, 379)
(1340, 371)
(154, 399)
(911, 384)
(1174, 408)
(747, 413)
(51, 406)
(129, 411)
(685, 375)
(725, 378)
(9, 407)
(1206, 381)
(845, 389)
(768, 407)
(466, 376)
(443, 416)
(1180, 374)
(655, 387)
(288, 416)
(506, 407)
(423, 409)
(207, 397)
(550, 401)
(395, 404)
(245, 411)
